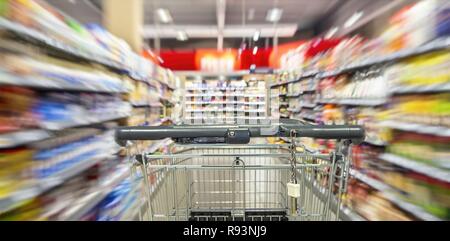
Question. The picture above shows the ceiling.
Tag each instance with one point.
(202, 15)
(201, 19)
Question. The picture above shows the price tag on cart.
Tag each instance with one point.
(293, 190)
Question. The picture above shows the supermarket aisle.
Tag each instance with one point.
(63, 89)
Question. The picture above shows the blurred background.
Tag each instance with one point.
(73, 70)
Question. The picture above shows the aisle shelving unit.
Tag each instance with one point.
(225, 99)
(297, 104)
(138, 84)
(392, 195)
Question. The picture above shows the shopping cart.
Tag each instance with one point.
(222, 173)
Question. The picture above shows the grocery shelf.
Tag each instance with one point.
(413, 89)
(81, 122)
(215, 88)
(22, 137)
(359, 102)
(416, 166)
(166, 84)
(226, 95)
(307, 117)
(436, 45)
(295, 95)
(294, 110)
(224, 103)
(225, 110)
(50, 84)
(419, 128)
(307, 105)
(380, 186)
(388, 192)
(14, 200)
(231, 117)
(88, 202)
(36, 36)
(30, 33)
(145, 104)
(305, 75)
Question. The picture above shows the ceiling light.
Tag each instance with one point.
(251, 14)
(160, 60)
(256, 35)
(331, 33)
(274, 15)
(164, 15)
(182, 36)
(352, 20)
(255, 50)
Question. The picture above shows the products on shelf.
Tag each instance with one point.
(432, 109)
(372, 205)
(63, 89)
(37, 19)
(368, 85)
(428, 149)
(421, 71)
(224, 101)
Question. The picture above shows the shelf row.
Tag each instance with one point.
(87, 203)
(389, 194)
(17, 138)
(434, 172)
(225, 95)
(90, 201)
(53, 84)
(215, 88)
(436, 45)
(34, 35)
(224, 103)
(15, 199)
(359, 102)
(418, 128)
(228, 118)
(225, 110)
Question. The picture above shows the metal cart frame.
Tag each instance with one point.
(215, 174)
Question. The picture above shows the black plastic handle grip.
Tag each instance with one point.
(351, 132)
(123, 134)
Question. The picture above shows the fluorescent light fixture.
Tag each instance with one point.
(211, 31)
(164, 15)
(256, 35)
(331, 33)
(251, 14)
(274, 15)
(182, 36)
(255, 50)
(353, 19)
(160, 60)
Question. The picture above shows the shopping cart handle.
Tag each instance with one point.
(236, 134)
(344, 132)
(124, 134)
